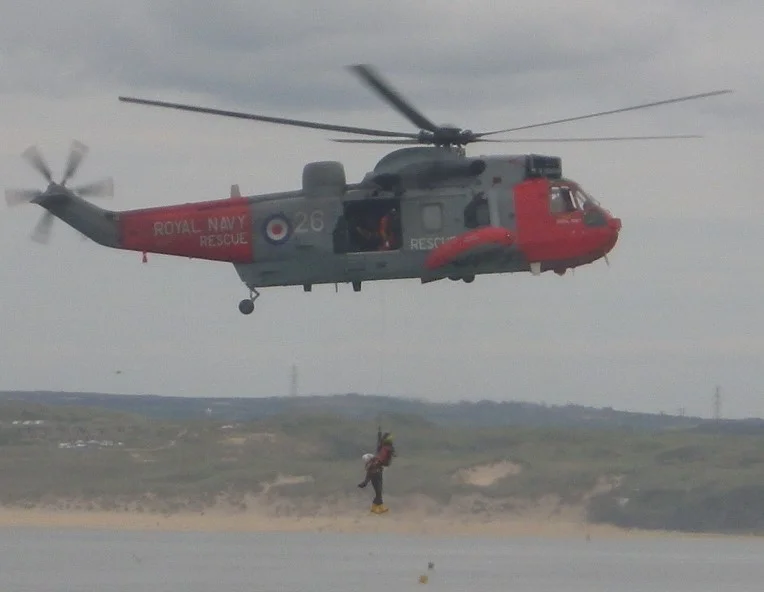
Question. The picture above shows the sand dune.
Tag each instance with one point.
(356, 519)
(487, 475)
(285, 480)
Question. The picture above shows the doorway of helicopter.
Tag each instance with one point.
(369, 225)
(375, 225)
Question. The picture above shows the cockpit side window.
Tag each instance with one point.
(561, 200)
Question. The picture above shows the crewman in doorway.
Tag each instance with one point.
(389, 231)
(375, 467)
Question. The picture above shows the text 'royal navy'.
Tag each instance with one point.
(220, 231)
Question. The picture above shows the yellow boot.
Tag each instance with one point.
(378, 508)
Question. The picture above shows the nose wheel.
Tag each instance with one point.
(247, 305)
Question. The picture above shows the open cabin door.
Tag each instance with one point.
(368, 225)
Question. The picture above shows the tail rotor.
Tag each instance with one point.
(56, 191)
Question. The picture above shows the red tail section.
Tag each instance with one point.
(218, 230)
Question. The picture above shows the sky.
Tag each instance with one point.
(676, 313)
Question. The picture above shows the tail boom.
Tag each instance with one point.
(219, 230)
(97, 224)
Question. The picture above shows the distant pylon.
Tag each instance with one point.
(718, 403)
(293, 385)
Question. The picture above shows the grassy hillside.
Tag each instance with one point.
(363, 407)
(686, 479)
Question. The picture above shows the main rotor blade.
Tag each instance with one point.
(76, 154)
(601, 113)
(354, 141)
(602, 139)
(384, 88)
(33, 156)
(277, 120)
(16, 197)
(103, 188)
(527, 140)
(41, 232)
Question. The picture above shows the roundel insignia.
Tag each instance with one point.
(277, 229)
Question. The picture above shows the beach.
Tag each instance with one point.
(357, 521)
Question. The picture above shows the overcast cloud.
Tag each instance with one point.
(678, 311)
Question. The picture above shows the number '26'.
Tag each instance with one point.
(306, 222)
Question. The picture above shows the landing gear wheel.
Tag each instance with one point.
(469, 279)
(247, 305)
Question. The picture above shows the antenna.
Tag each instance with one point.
(293, 386)
(717, 403)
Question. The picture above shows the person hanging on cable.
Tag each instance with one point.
(375, 465)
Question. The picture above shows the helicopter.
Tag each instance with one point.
(427, 211)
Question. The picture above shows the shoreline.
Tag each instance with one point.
(404, 523)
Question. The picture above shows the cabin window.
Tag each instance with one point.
(432, 217)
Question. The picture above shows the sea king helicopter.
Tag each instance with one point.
(427, 211)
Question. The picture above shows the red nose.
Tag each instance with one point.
(614, 223)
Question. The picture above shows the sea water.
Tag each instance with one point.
(42, 560)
